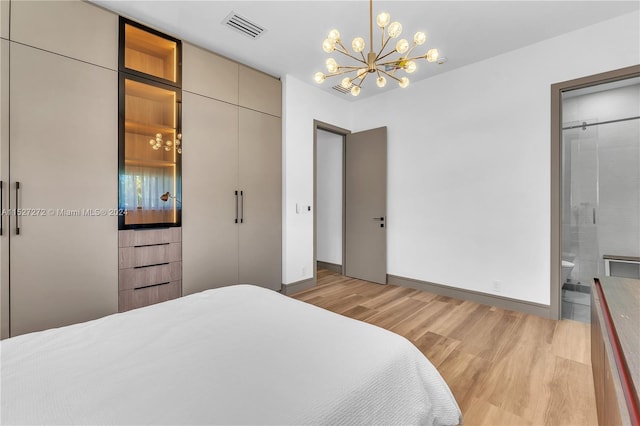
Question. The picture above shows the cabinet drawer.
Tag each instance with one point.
(137, 298)
(133, 257)
(132, 278)
(147, 237)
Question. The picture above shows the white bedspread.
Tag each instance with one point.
(234, 355)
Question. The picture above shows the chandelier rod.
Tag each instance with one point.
(371, 26)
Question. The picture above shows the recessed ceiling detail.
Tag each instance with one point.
(243, 25)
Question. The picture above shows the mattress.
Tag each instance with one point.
(234, 355)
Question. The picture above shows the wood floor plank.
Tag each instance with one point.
(503, 367)
(572, 340)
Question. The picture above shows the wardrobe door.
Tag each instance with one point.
(261, 204)
(4, 184)
(209, 182)
(63, 139)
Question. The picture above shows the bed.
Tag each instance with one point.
(234, 355)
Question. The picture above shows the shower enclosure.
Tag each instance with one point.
(600, 185)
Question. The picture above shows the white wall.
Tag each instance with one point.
(329, 186)
(468, 165)
(469, 158)
(302, 103)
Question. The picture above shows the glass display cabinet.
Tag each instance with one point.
(150, 145)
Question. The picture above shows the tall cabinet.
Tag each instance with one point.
(232, 179)
(59, 227)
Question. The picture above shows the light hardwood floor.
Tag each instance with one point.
(503, 367)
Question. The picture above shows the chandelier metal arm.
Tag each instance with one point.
(362, 81)
(390, 75)
(384, 45)
(346, 53)
(343, 72)
(385, 55)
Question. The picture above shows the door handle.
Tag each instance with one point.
(242, 207)
(236, 206)
(379, 218)
(17, 208)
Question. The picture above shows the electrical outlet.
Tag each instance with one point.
(497, 286)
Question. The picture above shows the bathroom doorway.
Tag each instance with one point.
(599, 188)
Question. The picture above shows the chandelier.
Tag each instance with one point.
(375, 63)
(168, 145)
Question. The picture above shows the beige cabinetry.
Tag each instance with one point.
(73, 28)
(210, 183)
(60, 231)
(232, 181)
(260, 178)
(4, 184)
(150, 267)
(209, 75)
(259, 91)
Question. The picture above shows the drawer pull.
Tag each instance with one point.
(152, 245)
(150, 266)
(151, 285)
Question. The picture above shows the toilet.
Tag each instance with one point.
(566, 270)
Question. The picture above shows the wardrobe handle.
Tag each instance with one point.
(17, 208)
(242, 207)
(1, 207)
(236, 221)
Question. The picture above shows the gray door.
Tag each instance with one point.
(366, 205)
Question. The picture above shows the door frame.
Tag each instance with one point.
(555, 308)
(320, 125)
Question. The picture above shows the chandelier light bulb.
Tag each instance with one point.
(355, 90)
(395, 29)
(169, 143)
(319, 77)
(332, 65)
(152, 141)
(381, 81)
(410, 67)
(179, 150)
(404, 82)
(419, 38)
(358, 44)
(167, 148)
(158, 136)
(156, 147)
(432, 55)
(328, 46)
(334, 35)
(402, 46)
(383, 19)
(346, 82)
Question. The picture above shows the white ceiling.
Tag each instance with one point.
(463, 31)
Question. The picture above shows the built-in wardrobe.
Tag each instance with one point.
(59, 172)
(232, 175)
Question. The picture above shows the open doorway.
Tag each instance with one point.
(329, 201)
(588, 205)
(350, 195)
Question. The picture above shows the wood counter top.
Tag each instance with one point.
(622, 297)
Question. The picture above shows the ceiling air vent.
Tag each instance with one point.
(341, 89)
(242, 25)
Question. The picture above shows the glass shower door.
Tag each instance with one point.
(600, 183)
